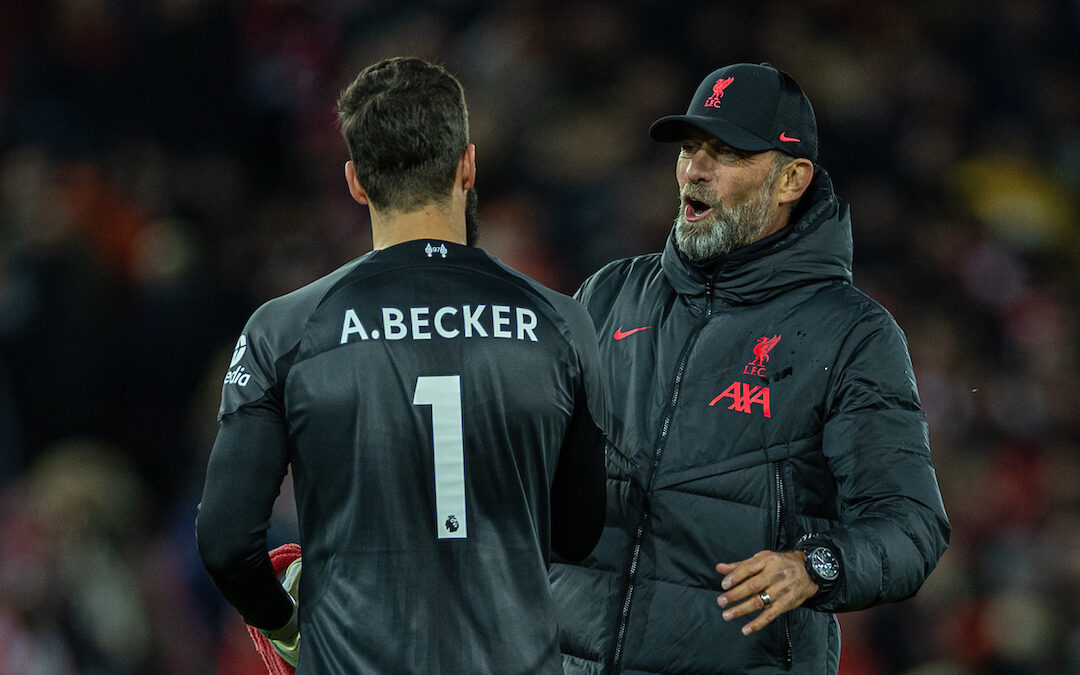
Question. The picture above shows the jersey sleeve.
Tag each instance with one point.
(243, 478)
(247, 465)
(252, 370)
(578, 492)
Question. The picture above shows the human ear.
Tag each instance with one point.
(795, 179)
(355, 189)
(468, 167)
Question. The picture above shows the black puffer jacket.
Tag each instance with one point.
(754, 400)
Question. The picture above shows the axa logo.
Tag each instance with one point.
(718, 92)
(743, 397)
(762, 347)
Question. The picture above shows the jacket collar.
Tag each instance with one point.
(817, 246)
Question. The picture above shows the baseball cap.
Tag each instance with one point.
(750, 107)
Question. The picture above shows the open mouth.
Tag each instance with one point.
(695, 210)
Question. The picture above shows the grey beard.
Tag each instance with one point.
(726, 229)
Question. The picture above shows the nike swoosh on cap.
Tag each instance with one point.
(620, 333)
(788, 139)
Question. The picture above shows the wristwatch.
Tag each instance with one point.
(821, 564)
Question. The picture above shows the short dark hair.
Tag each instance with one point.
(406, 125)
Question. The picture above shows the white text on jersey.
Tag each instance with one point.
(237, 376)
(468, 321)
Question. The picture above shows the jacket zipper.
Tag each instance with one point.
(778, 474)
(639, 534)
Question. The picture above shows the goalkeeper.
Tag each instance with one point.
(442, 414)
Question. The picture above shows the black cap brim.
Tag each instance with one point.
(673, 128)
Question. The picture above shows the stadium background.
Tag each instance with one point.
(167, 165)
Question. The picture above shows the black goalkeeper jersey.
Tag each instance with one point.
(442, 414)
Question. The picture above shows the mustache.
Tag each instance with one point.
(700, 194)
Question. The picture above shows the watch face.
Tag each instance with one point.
(824, 563)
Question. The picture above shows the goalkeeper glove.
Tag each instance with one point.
(286, 640)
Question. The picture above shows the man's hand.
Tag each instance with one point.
(770, 581)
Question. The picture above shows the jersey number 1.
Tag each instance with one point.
(443, 394)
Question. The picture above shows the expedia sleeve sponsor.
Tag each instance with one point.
(245, 380)
(448, 323)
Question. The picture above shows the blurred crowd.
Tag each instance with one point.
(168, 165)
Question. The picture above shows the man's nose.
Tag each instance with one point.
(699, 168)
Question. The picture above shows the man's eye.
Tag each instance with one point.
(689, 148)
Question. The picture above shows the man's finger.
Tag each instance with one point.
(748, 588)
(762, 620)
(751, 604)
(736, 573)
(725, 568)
